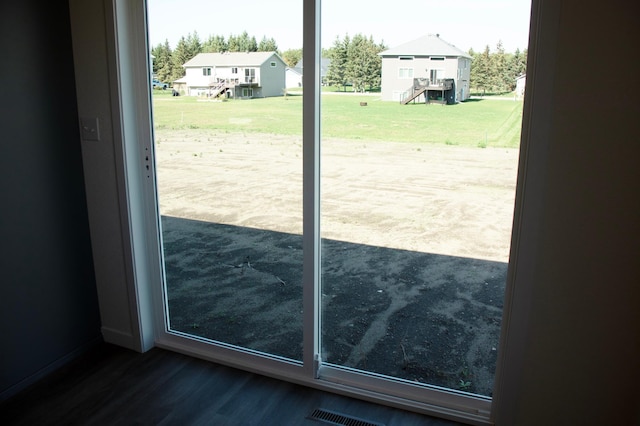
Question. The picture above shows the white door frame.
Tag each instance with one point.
(131, 107)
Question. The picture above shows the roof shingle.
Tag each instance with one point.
(429, 45)
(248, 59)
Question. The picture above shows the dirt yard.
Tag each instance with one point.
(414, 256)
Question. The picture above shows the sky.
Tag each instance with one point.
(463, 23)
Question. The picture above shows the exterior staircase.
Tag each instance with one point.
(217, 89)
(411, 94)
(424, 86)
(420, 85)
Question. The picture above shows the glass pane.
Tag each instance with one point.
(229, 160)
(417, 196)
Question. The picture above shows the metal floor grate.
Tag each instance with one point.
(333, 418)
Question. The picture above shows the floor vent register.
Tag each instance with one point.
(333, 418)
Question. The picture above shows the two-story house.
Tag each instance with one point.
(426, 69)
(233, 75)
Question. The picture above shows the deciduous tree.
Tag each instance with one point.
(292, 56)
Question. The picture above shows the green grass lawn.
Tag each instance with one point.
(478, 123)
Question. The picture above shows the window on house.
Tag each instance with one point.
(249, 75)
(247, 92)
(206, 71)
(406, 58)
(234, 70)
(436, 75)
(273, 64)
(405, 72)
(436, 58)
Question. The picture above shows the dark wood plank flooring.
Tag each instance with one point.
(114, 386)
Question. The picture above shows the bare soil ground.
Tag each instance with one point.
(414, 256)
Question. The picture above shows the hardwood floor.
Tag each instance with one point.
(114, 386)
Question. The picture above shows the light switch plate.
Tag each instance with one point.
(89, 128)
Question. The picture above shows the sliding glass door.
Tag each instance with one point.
(417, 204)
(229, 172)
(344, 224)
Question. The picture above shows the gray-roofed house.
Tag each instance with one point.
(234, 75)
(427, 69)
(294, 77)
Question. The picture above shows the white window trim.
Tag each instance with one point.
(408, 70)
(128, 63)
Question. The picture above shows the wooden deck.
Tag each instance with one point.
(424, 86)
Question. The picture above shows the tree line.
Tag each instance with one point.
(355, 61)
(496, 72)
(167, 62)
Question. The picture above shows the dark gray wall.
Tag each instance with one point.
(48, 302)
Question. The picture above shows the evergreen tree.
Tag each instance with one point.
(193, 44)
(336, 74)
(215, 44)
(481, 78)
(162, 63)
(518, 64)
(246, 43)
(502, 80)
(496, 72)
(473, 55)
(267, 45)
(364, 65)
(233, 43)
(179, 57)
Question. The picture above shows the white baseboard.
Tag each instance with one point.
(116, 337)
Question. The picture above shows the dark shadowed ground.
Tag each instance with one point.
(418, 316)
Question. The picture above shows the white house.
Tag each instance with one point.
(293, 77)
(425, 69)
(521, 81)
(234, 75)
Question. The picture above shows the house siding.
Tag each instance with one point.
(268, 81)
(273, 80)
(463, 83)
(452, 67)
(423, 56)
(293, 78)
